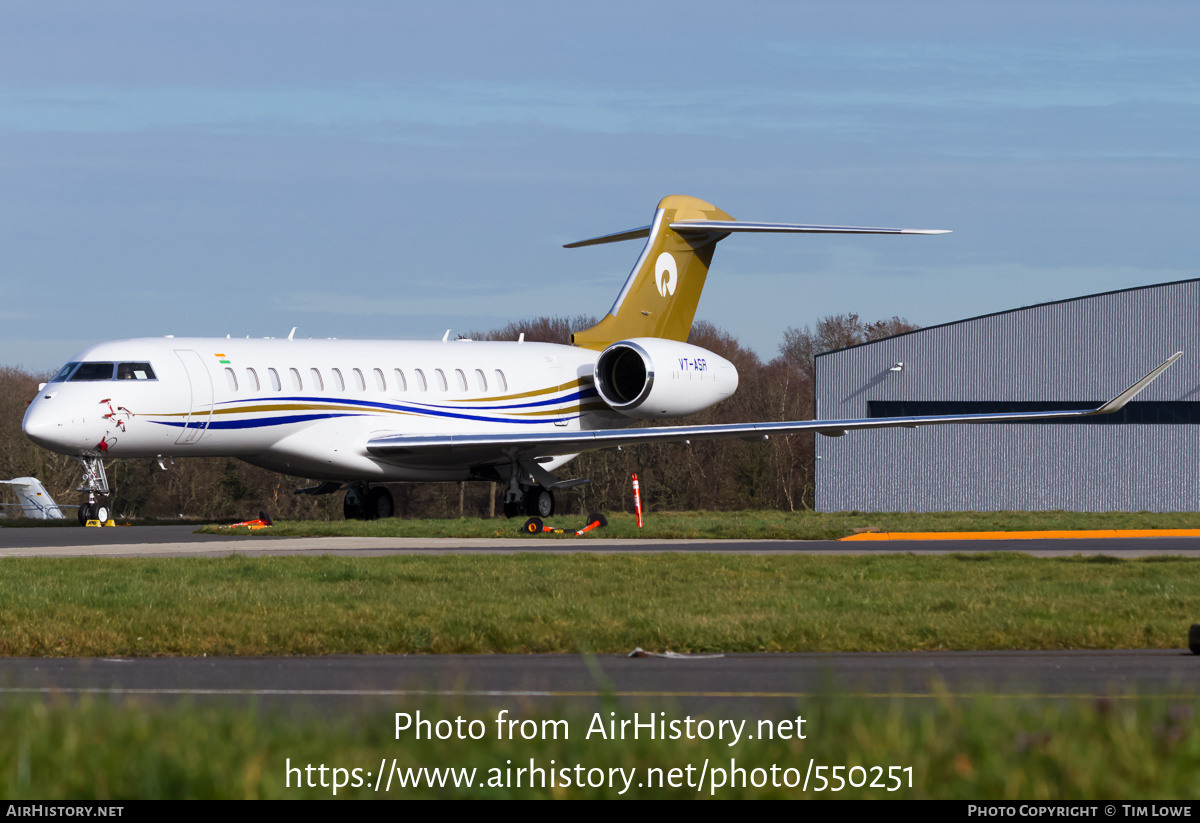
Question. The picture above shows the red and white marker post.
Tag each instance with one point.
(637, 500)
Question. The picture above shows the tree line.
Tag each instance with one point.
(715, 475)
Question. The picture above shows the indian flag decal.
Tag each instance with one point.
(226, 362)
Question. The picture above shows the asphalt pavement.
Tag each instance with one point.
(172, 541)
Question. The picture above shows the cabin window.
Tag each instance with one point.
(275, 384)
(231, 379)
(401, 383)
(93, 371)
(462, 379)
(338, 383)
(296, 382)
(421, 384)
(252, 380)
(318, 384)
(135, 371)
(63, 372)
(359, 383)
(380, 382)
(441, 376)
(481, 380)
(501, 383)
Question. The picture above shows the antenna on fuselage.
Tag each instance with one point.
(292, 333)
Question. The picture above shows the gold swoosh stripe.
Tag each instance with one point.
(538, 393)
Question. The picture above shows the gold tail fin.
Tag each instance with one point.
(660, 297)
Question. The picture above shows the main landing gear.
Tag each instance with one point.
(365, 503)
(95, 484)
(526, 499)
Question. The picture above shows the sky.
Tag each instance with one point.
(393, 170)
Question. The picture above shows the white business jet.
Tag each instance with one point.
(358, 413)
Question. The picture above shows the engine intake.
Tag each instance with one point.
(649, 378)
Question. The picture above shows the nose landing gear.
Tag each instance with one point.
(95, 484)
(93, 511)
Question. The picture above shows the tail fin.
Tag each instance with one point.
(36, 502)
(660, 297)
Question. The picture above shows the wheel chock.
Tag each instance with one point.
(94, 524)
(534, 525)
(110, 522)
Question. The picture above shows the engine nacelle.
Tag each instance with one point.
(650, 378)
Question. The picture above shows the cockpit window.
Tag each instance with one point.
(93, 371)
(135, 371)
(63, 372)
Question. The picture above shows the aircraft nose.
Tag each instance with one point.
(43, 427)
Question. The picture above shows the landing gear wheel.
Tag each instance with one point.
(352, 506)
(539, 502)
(379, 504)
(514, 509)
(85, 513)
(532, 526)
(101, 513)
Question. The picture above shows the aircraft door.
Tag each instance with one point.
(195, 424)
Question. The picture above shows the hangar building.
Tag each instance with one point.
(1067, 354)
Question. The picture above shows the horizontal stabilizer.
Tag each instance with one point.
(729, 226)
(803, 228)
(632, 234)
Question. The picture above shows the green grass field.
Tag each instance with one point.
(967, 749)
(607, 603)
(767, 524)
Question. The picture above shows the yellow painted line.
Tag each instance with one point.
(1043, 535)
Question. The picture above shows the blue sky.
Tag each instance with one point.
(393, 170)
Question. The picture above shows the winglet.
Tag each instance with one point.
(1124, 397)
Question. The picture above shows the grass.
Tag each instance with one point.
(767, 524)
(607, 603)
(975, 748)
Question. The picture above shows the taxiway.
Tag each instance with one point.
(179, 541)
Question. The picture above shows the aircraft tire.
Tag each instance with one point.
(379, 504)
(514, 509)
(352, 507)
(539, 502)
(85, 513)
(101, 512)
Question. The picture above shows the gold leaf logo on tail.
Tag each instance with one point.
(665, 273)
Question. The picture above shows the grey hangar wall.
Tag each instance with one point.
(1066, 354)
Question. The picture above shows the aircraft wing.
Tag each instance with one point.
(496, 448)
